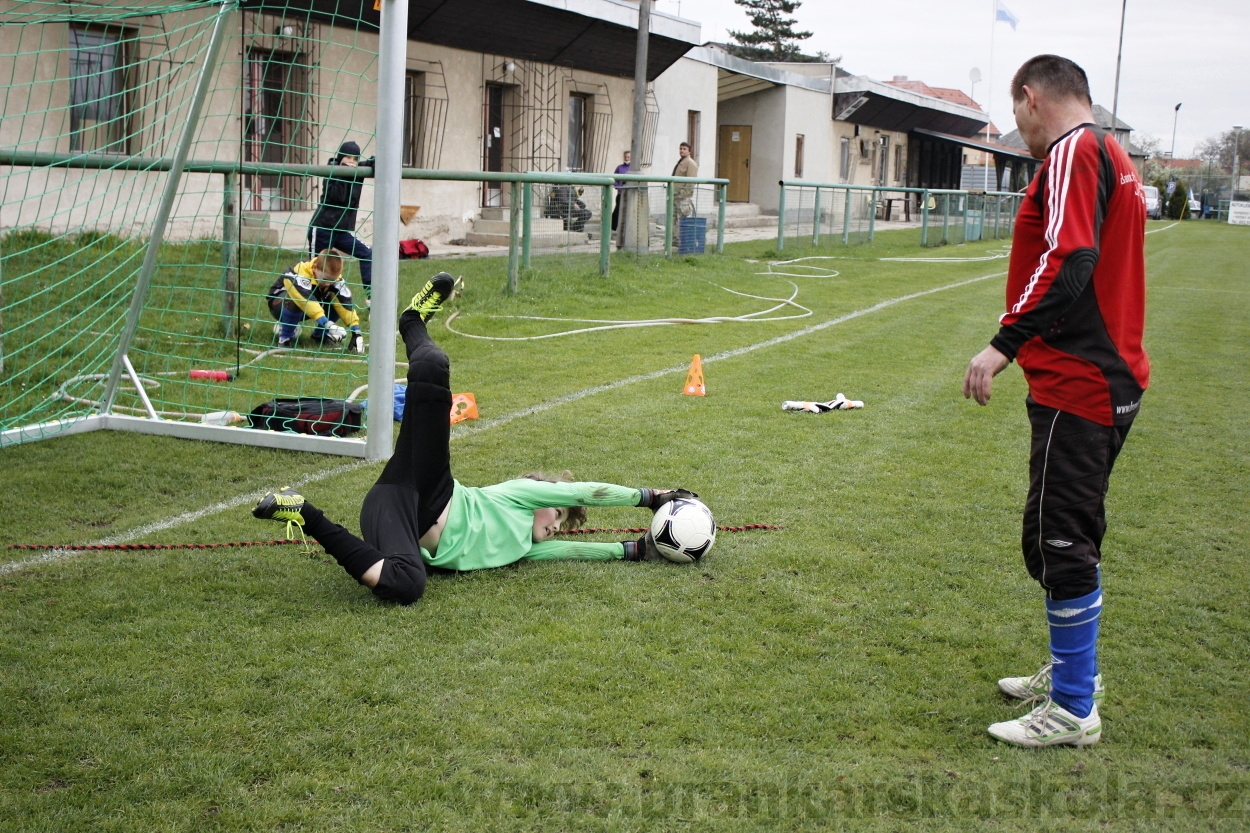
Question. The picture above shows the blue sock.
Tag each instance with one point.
(1074, 651)
(287, 321)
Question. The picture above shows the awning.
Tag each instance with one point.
(982, 145)
(738, 77)
(593, 35)
(861, 100)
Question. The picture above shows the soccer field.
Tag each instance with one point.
(839, 672)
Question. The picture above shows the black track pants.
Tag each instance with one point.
(413, 488)
(1064, 515)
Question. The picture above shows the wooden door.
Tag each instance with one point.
(493, 143)
(733, 160)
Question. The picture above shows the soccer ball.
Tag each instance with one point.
(684, 530)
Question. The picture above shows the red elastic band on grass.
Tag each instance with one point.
(134, 547)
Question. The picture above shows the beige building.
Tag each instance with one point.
(514, 85)
(518, 85)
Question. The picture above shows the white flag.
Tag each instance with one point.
(1001, 12)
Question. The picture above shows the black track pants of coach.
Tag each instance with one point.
(1064, 516)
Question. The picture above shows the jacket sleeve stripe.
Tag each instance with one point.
(1061, 177)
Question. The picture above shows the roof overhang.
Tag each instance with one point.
(593, 35)
(980, 144)
(737, 77)
(861, 100)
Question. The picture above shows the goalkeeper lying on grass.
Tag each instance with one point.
(418, 515)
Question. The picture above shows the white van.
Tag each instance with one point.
(1153, 209)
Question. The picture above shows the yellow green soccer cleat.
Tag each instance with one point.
(283, 505)
(430, 299)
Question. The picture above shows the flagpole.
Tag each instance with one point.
(1115, 103)
(989, 95)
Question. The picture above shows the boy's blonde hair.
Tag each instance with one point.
(329, 263)
(576, 514)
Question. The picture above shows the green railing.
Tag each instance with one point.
(520, 211)
(720, 197)
(810, 211)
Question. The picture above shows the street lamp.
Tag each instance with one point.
(1175, 115)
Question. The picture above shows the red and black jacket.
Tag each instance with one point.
(1076, 286)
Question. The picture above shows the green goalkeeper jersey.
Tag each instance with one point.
(492, 526)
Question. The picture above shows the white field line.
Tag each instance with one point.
(177, 520)
(478, 426)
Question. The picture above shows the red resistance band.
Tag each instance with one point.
(124, 547)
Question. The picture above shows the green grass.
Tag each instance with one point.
(837, 673)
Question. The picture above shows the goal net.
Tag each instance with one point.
(161, 164)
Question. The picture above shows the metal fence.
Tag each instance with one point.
(815, 213)
(584, 200)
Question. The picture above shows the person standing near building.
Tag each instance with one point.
(683, 194)
(1076, 295)
(622, 168)
(333, 225)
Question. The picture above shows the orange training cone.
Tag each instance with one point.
(463, 406)
(694, 378)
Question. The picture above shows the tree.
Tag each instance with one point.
(1177, 205)
(774, 38)
(1152, 168)
(1219, 150)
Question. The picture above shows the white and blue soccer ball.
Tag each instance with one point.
(684, 530)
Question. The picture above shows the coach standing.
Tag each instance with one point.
(1076, 293)
(333, 225)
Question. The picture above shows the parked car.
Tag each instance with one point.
(1154, 209)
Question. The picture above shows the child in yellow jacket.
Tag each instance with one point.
(315, 289)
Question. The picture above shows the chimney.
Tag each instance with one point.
(899, 78)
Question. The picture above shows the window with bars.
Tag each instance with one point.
(580, 108)
(414, 119)
(798, 155)
(99, 107)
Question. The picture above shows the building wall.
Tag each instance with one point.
(777, 115)
(686, 85)
(765, 111)
(344, 89)
(36, 117)
(809, 113)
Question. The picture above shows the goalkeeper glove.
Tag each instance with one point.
(641, 550)
(335, 334)
(653, 499)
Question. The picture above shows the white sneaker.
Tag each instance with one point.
(1050, 725)
(1026, 688)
